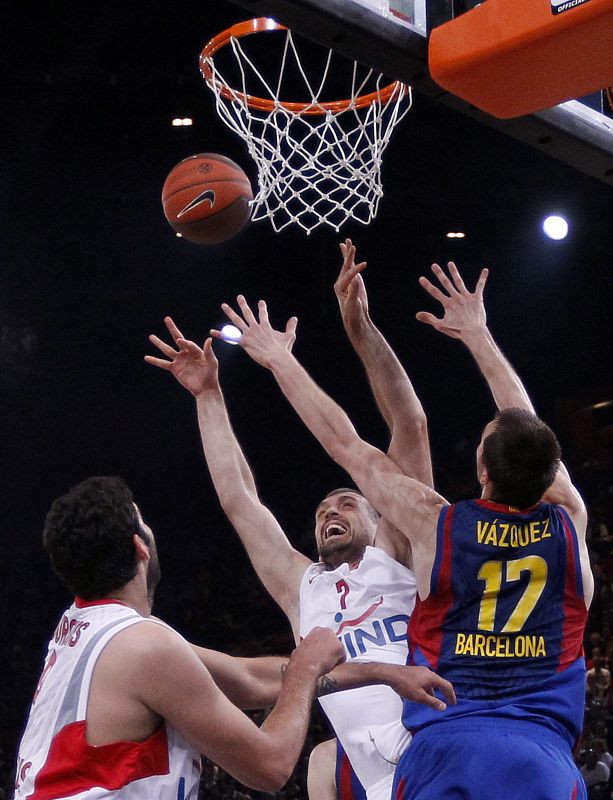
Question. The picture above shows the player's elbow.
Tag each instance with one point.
(411, 426)
(271, 776)
(237, 502)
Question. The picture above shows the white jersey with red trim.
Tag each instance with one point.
(56, 762)
(367, 605)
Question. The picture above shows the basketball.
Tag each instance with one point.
(206, 198)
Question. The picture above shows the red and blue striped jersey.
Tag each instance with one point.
(505, 616)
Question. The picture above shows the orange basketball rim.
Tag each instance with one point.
(265, 24)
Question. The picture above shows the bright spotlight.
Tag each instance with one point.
(230, 334)
(555, 227)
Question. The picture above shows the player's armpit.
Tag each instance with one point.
(393, 542)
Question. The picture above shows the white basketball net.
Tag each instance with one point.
(313, 169)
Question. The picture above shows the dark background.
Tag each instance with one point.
(89, 267)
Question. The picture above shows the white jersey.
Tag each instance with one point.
(367, 605)
(56, 762)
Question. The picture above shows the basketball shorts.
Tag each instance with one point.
(348, 787)
(488, 759)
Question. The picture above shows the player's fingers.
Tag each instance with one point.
(292, 324)
(216, 334)
(263, 312)
(445, 688)
(162, 346)
(428, 700)
(429, 319)
(349, 258)
(444, 280)
(158, 362)
(172, 328)
(207, 350)
(457, 278)
(481, 282)
(432, 290)
(246, 309)
(234, 318)
(347, 277)
(190, 347)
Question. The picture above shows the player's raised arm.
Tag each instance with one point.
(464, 318)
(390, 384)
(405, 502)
(393, 391)
(279, 566)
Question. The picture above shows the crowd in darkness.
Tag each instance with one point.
(30, 608)
(593, 752)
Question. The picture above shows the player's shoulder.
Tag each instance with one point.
(149, 639)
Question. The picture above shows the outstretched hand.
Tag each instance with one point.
(463, 311)
(258, 338)
(196, 368)
(350, 290)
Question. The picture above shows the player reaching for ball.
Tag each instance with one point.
(363, 587)
(504, 581)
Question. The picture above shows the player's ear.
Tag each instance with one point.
(483, 476)
(142, 551)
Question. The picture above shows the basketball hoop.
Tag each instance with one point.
(318, 161)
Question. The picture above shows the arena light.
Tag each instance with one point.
(230, 334)
(456, 235)
(555, 227)
(182, 122)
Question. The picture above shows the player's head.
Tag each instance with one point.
(345, 523)
(89, 536)
(517, 458)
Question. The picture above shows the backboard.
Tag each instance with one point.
(392, 37)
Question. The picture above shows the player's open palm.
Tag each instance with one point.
(258, 338)
(463, 311)
(350, 290)
(195, 368)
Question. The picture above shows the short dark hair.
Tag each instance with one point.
(521, 456)
(343, 489)
(88, 536)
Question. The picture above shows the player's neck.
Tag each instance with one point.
(350, 556)
(134, 594)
